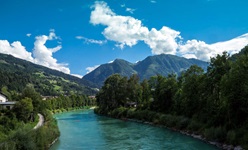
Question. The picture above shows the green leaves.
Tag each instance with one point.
(24, 109)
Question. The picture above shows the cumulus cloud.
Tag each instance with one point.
(128, 31)
(15, 49)
(163, 41)
(87, 40)
(44, 55)
(41, 54)
(196, 49)
(90, 69)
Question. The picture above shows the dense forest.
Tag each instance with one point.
(211, 103)
(16, 125)
(17, 73)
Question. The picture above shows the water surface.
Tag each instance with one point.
(85, 130)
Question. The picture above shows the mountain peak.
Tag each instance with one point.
(162, 64)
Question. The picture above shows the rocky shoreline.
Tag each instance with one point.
(188, 133)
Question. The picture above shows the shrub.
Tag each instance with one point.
(231, 137)
(182, 122)
(130, 113)
(194, 125)
(213, 133)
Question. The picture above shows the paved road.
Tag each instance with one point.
(41, 121)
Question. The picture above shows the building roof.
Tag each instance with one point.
(3, 95)
(7, 103)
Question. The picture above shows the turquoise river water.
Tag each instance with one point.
(84, 130)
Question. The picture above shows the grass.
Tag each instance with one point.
(40, 74)
(57, 88)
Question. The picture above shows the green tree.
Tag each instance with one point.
(218, 67)
(111, 94)
(24, 109)
(165, 90)
(234, 92)
(146, 94)
(190, 94)
(30, 92)
(134, 90)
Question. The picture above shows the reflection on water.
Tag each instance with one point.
(85, 130)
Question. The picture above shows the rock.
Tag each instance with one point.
(238, 148)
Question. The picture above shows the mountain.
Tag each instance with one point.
(153, 65)
(16, 73)
(120, 66)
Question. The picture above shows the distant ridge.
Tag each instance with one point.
(163, 64)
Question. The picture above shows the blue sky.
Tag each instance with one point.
(74, 36)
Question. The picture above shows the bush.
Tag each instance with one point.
(213, 133)
(231, 137)
(182, 122)
(119, 112)
(168, 120)
(243, 138)
(194, 125)
(130, 113)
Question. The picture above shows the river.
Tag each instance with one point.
(85, 130)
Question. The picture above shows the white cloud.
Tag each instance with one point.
(79, 37)
(99, 42)
(15, 49)
(41, 54)
(90, 69)
(44, 55)
(128, 31)
(130, 10)
(196, 49)
(163, 41)
(28, 34)
(203, 51)
(232, 46)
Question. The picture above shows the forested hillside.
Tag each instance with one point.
(16, 73)
(213, 103)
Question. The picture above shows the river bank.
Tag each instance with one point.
(189, 133)
(175, 123)
(56, 111)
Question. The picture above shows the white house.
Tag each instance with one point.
(3, 98)
(4, 103)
